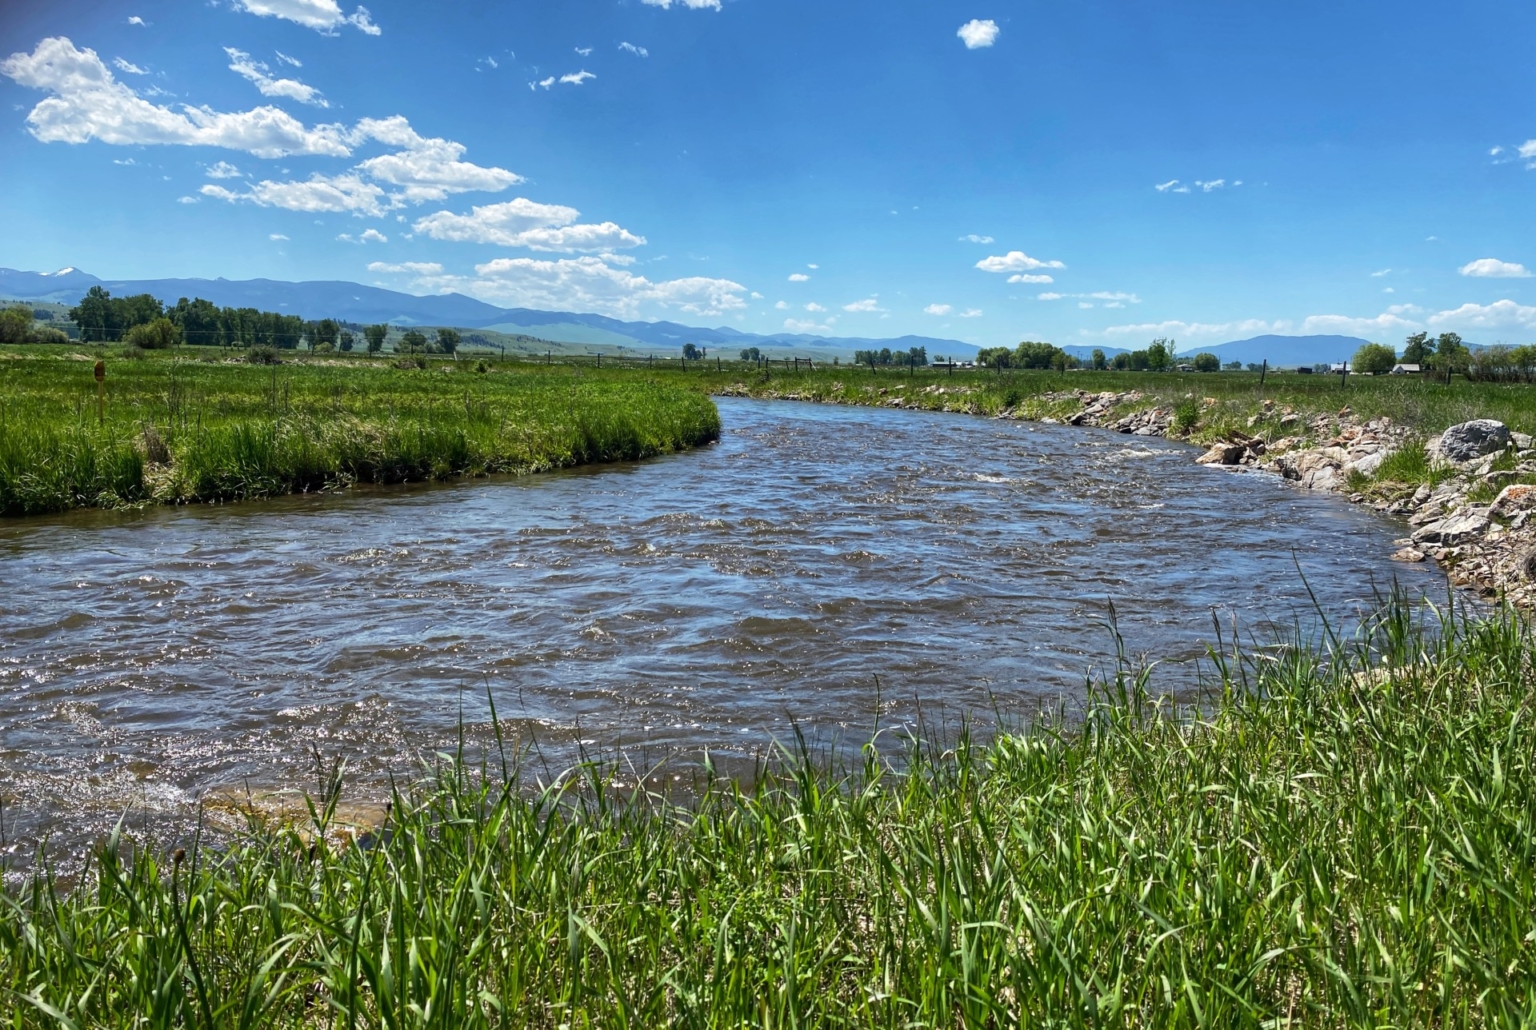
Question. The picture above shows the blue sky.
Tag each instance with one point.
(1086, 173)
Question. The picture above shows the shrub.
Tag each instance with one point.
(1186, 416)
(161, 334)
(261, 354)
(15, 325)
(1207, 362)
(1373, 359)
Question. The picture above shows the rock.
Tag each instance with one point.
(1222, 454)
(1408, 554)
(1467, 441)
(1368, 465)
(1421, 494)
(1523, 442)
(1516, 497)
(1452, 530)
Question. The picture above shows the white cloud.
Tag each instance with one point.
(1015, 261)
(1213, 184)
(321, 15)
(525, 223)
(577, 78)
(799, 277)
(134, 19)
(1028, 277)
(1390, 289)
(124, 161)
(937, 309)
(813, 267)
(638, 51)
(584, 51)
(1084, 304)
(285, 59)
(1527, 149)
(186, 200)
(1493, 268)
(1495, 151)
(782, 305)
(978, 33)
(1115, 299)
(971, 313)
(693, 5)
(586, 284)
(813, 307)
(347, 193)
(1501, 314)
(795, 325)
(973, 238)
(369, 236)
(223, 170)
(128, 66)
(427, 169)
(413, 267)
(866, 305)
(1388, 322)
(88, 103)
(1378, 275)
(1171, 186)
(276, 236)
(1174, 328)
(243, 65)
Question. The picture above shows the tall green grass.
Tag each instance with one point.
(234, 431)
(1338, 837)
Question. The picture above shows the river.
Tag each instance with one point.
(707, 599)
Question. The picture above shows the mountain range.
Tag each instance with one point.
(352, 302)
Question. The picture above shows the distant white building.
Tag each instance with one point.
(1406, 370)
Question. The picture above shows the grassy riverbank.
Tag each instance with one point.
(1341, 839)
(179, 429)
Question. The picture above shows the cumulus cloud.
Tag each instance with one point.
(134, 19)
(638, 51)
(1113, 299)
(1030, 277)
(427, 168)
(585, 284)
(87, 103)
(321, 15)
(814, 307)
(797, 325)
(692, 5)
(1501, 314)
(370, 236)
(799, 277)
(276, 236)
(223, 170)
(971, 313)
(1171, 186)
(347, 193)
(186, 200)
(1493, 268)
(577, 78)
(978, 33)
(128, 66)
(1213, 184)
(1015, 261)
(257, 73)
(937, 309)
(973, 238)
(525, 223)
(860, 306)
(412, 267)
(1380, 273)
(584, 51)
(1390, 321)
(1246, 327)
(782, 305)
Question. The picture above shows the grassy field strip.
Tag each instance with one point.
(1342, 838)
(181, 431)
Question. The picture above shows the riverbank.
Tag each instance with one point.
(1376, 442)
(177, 430)
(1340, 836)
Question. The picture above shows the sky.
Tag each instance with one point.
(1088, 173)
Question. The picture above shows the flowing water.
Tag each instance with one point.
(711, 599)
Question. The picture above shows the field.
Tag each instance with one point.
(198, 427)
(1341, 835)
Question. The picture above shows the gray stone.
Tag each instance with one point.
(1368, 465)
(1452, 530)
(1470, 440)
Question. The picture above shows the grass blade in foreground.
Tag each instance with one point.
(1339, 840)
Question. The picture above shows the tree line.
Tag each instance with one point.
(886, 356)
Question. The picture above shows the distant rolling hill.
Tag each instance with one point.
(353, 302)
(1286, 351)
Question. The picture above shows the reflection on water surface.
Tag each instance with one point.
(701, 600)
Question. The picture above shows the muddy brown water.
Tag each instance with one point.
(705, 600)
